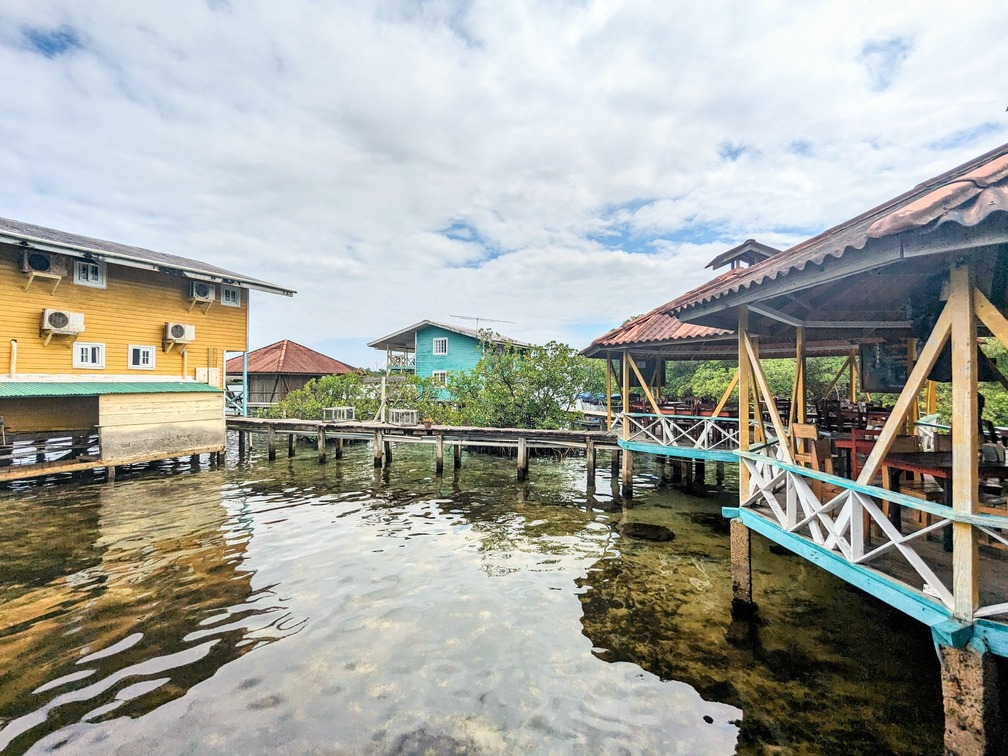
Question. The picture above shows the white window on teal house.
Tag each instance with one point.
(440, 377)
(89, 274)
(441, 345)
(90, 356)
(230, 296)
(141, 357)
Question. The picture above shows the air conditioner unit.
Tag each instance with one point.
(35, 261)
(60, 322)
(180, 333)
(201, 291)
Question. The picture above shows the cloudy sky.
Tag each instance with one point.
(560, 165)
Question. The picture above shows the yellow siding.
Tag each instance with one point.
(49, 413)
(145, 409)
(132, 309)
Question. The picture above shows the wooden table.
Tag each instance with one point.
(939, 466)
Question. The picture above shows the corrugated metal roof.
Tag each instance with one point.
(404, 339)
(289, 358)
(966, 195)
(28, 234)
(12, 389)
(658, 326)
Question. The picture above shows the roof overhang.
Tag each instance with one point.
(177, 266)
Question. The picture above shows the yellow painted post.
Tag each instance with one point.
(853, 377)
(608, 391)
(965, 446)
(626, 395)
(801, 395)
(932, 398)
(743, 405)
(914, 415)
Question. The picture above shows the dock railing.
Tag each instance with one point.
(684, 431)
(783, 495)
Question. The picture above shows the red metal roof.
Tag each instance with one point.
(289, 358)
(656, 327)
(966, 195)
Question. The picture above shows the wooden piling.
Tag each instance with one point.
(971, 695)
(458, 455)
(677, 475)
(614, 464)
(110, 473)
(626, 489)
(194, 461)
(740, 539)
(719, 473)
(271, 443)
(338, 453)
(699, 480)
(321, 445)
(241, 444)
(290, 444)
(439, 454)
(522, 459)
(590, 461)
(388, 453)
(377, 449)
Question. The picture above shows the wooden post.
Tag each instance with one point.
(271, 443)
(614, 465)
(965, 445)
(677, 472)
(241, 444)
(458, 455)
(741, 567)
(719, 473)
(290, 444)
(608, 385)
(522, 459)
(970, 691)
(194, 461)
(914, 415)
(377, 448)
(438, 454)
(743, 403)
(801, 394)
(110, 473)
(726, 395)
(590, 461)
(626, 398)
(626, 490)
(700, 478)
(388, 453)
(221, 457)
(320, 438)
(853, 377)
(339, 448)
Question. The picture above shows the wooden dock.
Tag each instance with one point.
(384, 435)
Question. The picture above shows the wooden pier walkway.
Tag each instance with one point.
(384, 435)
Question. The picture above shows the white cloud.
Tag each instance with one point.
(330, 146)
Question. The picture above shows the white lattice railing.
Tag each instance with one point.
(839, 522)
(684, 431)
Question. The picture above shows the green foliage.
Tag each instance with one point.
(510, 387)
(350, 390)
(995, 396)
(524, 387)
(708, 379)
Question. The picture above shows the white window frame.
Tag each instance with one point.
(234, 291)
(90, 273)
(434, 346)
(149, 351)
(440, 377)
(95, 355)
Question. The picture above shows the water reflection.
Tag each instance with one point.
(119, 598)
(296, 606)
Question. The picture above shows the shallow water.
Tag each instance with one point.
(331, 608)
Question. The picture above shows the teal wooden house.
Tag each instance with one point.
(432, 350)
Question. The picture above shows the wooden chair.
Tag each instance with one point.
(813, 452)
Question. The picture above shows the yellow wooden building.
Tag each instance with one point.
(111, 354)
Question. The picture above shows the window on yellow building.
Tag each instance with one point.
(141, 357)
(86, 355)
(89, 274)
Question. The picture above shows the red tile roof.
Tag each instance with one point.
(289, 358)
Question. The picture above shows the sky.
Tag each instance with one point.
(551, 168)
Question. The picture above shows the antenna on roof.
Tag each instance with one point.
(485, 320)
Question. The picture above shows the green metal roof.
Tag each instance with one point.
(10, 389)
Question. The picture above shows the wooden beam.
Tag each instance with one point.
(894, 425)
(769, 312)
(768, 399)
(727, 394)
(965, 446)
(626, 395)
(991, 317)
(608, 392)
(836, 378)
(782, 317)
(852, 362)
(643, 383)
(743, 404)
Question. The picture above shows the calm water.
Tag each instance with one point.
(303, 608)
